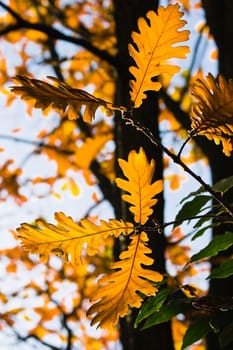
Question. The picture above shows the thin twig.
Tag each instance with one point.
(127, 117)
(39, 144)
(55, 34)
(183, 145)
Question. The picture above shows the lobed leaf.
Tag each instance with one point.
(120, 290)
(154, 44)
(139, 173)
(67, 239)
(62, 97)
(212, 113)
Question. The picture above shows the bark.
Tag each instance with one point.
(219, 15)
(126, 14)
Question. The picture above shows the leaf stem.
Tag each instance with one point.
(183, 145)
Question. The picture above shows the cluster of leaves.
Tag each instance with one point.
(47, 304)
(154, 44)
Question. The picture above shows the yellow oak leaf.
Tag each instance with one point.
(154, 44)
(139, 173)
(61, 97)
(68, 239)
(212, 113)
(118, 291)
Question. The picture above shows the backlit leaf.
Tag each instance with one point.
(61, 96)
(191, 208)
(212, 113)
(166, 313)
(155, 44)
(67, 239)
(119, 290)
(152, 305)
(139, 173)
(224, 185)
(218, 243)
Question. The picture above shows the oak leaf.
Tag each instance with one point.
(154, 44)
(119, 290)
(68, 239)
(212, 113)
(61, 97)
(139, 173)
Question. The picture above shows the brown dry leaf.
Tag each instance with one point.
(212, 113)
(61, 97)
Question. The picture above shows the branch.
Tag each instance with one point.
(64, 319)
(210, 216)
(127, 117)
(39, 144)
(203, 143)
(33, 336)
(55, 34)
(103, 182)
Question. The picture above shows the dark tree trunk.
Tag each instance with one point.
(219, 15)
(126, 14)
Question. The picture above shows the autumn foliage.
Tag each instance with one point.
(111, 289)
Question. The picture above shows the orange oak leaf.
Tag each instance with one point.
(212, 113)
(119, 290)
(153, 45)
(68, 239)
(61, 96)
(139, 173)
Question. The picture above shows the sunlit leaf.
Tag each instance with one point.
(68, 239)
(139, 173)
(61, 97)
(88, 151)
(153, 45)
(9, 182)
(212, 113)
(119, 291)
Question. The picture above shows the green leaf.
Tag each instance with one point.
(191, 208)
(223, 271)
(152, 305)
(196, 331)
(193, 194)
(218, 243)
(166, 313)
(224, 185)
(205, 218)
(201, 232)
